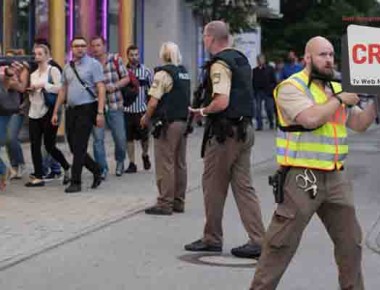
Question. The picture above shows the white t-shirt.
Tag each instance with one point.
(38, 109)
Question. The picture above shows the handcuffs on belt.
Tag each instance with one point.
(308, 182)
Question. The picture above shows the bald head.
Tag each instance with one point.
(218, 30)
(316, 43)
(319, 56)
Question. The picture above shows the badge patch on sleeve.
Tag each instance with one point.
(216, 78)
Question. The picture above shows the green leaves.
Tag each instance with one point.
(239, 14)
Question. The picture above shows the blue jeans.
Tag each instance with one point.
(4, 121)
(49, 164)
(260, 96)
(115, 121)
(13, 145)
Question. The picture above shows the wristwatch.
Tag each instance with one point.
(101, 113)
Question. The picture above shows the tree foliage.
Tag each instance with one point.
(305, 19)
(239, 14)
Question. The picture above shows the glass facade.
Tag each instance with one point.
(25, 20)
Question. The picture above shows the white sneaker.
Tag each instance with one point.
(13, 173)
(20, 171)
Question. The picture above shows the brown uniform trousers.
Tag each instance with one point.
(334, 206)
(227, 163)
(171, 168)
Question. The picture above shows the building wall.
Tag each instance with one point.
(173, 22)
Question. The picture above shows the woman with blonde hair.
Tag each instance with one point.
(168, 109)
(45, 83)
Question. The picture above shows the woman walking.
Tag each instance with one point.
(45, 80)
(13, 81)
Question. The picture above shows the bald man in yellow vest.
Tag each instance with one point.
(312, 146)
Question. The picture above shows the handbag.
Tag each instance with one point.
(50, 98)
(87, 88)
(131, 90)
(9, 101)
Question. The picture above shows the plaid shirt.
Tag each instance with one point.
(114, 101)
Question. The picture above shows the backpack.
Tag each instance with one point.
(50, 98)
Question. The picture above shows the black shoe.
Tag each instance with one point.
(73, 188)
(97, 180)
(35, 183)
(52, 176)
(146, 162)
(200, 246)
(132, 168)
(66, 177)
(158, 210)
(178, 208)
(247, 251)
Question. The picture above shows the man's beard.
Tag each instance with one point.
(317, 74)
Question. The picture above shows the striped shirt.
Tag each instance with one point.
(144, 75)
(114, 101)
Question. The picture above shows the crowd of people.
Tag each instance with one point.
(311, 144)
(89, 89)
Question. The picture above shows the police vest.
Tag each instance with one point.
(241, 95)
(174, 104)
(324, 148)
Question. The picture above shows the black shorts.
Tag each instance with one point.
(133, 128)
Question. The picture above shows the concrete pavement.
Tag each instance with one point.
(145, 252)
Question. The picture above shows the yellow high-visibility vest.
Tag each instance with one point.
(324, 148)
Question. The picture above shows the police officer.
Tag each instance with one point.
(312, 145)
(168, 109)
(227, 144)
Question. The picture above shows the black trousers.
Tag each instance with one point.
(79, 123)
(43, 129)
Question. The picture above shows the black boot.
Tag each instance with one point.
(200, 246)
(247, 251)
(73, 188)
(97, 179)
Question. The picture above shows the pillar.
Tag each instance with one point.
(87, 19)
(8, 16)
(57, 30)
(57, 39)
(126, 17)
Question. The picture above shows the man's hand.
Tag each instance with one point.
(54, 120)
(349, 99)
(100, 120)
(110, 88)
(37, 87)
(198, 113)
(144, 121)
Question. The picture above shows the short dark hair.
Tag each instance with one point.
(132, 47)
(43, 41)
(78, 38)
(96, 37)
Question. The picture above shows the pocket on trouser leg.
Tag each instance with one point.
(281, 232)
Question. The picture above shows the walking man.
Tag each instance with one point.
(116, 76)
(312, 146)
(264, 81)
(227, 144)
(134, 112)
(84, 91)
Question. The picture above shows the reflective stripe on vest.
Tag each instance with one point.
(324, 148)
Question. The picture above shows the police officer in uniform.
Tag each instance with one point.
(227, 144)
(168, 109)
(312, 146)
